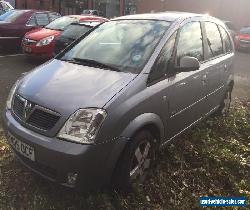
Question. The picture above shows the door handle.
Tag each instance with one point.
(225, 67)
(181, 84)
(204, 79)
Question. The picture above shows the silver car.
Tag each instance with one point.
(99, 112)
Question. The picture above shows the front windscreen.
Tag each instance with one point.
(11, 16)
(125, 44)
(62, 23)
(75, 30)
(245, 30)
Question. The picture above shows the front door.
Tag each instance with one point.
(187, 90)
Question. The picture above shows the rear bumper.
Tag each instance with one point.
(55, 159)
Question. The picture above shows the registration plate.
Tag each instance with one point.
(21, 147)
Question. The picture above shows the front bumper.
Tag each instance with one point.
(39, 52)
(55, 159)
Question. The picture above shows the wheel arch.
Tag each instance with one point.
(149, 121)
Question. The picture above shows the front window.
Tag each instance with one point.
(125, 45)
(11, 16)
(190, 42)
(245, 30)
(62, 23)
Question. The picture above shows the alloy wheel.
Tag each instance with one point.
(141, 162)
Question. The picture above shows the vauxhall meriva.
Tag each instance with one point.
(98, 113)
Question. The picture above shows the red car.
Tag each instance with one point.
(16, 23)
(242, 39)
(40, 43)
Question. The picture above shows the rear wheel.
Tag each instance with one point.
(136, 161)
(225, 105)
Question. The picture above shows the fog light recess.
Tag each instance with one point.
(71, 178)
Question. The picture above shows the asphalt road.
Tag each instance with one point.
(11, 67)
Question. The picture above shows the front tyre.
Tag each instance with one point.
(136, 161)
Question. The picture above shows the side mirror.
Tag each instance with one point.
(188, 64)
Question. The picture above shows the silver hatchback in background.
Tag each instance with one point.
(99, 112)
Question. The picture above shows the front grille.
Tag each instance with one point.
(43, 120)
(33, 114)
(18, 106)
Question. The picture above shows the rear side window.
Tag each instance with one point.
(53, 16)
(226, 40)
(190, 42)
(42, 19)
(230, 26)
(215, 47)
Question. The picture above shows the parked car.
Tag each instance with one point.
(99, 112)
(92, 12)
(242, 39)
(5, 7)
(40, 43)
(15, 23)
(72, 33)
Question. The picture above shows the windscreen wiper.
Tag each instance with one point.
(93, 63)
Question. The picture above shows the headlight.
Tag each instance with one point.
(83, 126)
(11, 94)
(45, 41)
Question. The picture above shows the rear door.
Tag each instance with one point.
(214, 57)
(228, 56)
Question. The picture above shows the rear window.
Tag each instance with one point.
(230, 26)
(75, 30)
(245, 30)
(11, 16)
(42, 19)
(62, 23)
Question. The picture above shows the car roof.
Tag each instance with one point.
(87, 17)
(167, 16)
(32, 10)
